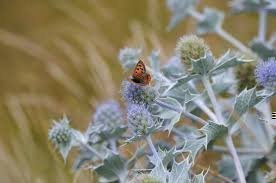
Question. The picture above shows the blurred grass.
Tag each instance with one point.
(60, 56)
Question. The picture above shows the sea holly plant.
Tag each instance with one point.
(195, 104)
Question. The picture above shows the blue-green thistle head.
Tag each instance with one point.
(61, 133)
(108, 114)
(136, 94)
(139, 119)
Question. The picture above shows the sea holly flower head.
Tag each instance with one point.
(129, 57)
(265, 73)
(245, 76)
(136, 94)
(108, 115)
(61, 135)
(190, 48)
(139, 119)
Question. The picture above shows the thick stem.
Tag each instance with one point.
(221, 149)
(210, 91)
(262, 25)
(229, 141)
(228, 37)
(184, 113)
(236, 159)
(221, 32)
(91, 149)
(113, 145)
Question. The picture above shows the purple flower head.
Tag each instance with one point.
(136, 94)
(108, 115)
(265, 73)
(139, 119)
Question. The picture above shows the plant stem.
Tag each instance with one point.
(153, 150)
(228, 37)
(262, 25)
(113, 145)
(210, 91)
(91, 149)
(184, 113)
(229, 141)
(236, 159)
(222, 33)
(221, 149)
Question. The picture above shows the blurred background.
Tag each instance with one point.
(60, 57)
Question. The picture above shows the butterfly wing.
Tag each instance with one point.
(140, 75)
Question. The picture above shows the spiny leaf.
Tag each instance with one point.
(213, 131)
(228, 60)
(180, 172)
(212, 19)
(113, 168)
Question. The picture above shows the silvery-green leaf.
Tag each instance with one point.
(154, 60)
(111, 134)
(212, 19)
(179, 9)
(213, 131)
(113, 168)
(228, 60)
(167, 113)
(173, 69)
(263, 50)
(199, 178)
(173, 121)
(193, 146)
(244, 101)
(183, 94)
(263, 134)
(64, 150)
(203, 65)
(185, 79)
(256, 176)
(165, 156)
(159, 173)
(180, 172)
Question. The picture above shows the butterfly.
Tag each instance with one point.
(140, 75)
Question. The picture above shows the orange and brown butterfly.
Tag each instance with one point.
(140, 75)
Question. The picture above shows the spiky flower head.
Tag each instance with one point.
(245, 76)
(265, 73)
(174, 68)
(129, 57)
(136, 94)
(108, 115)
(61, 135)
(190, 48)
(139, 119)
(145, 178)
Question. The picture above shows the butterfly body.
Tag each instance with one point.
(140, 75)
